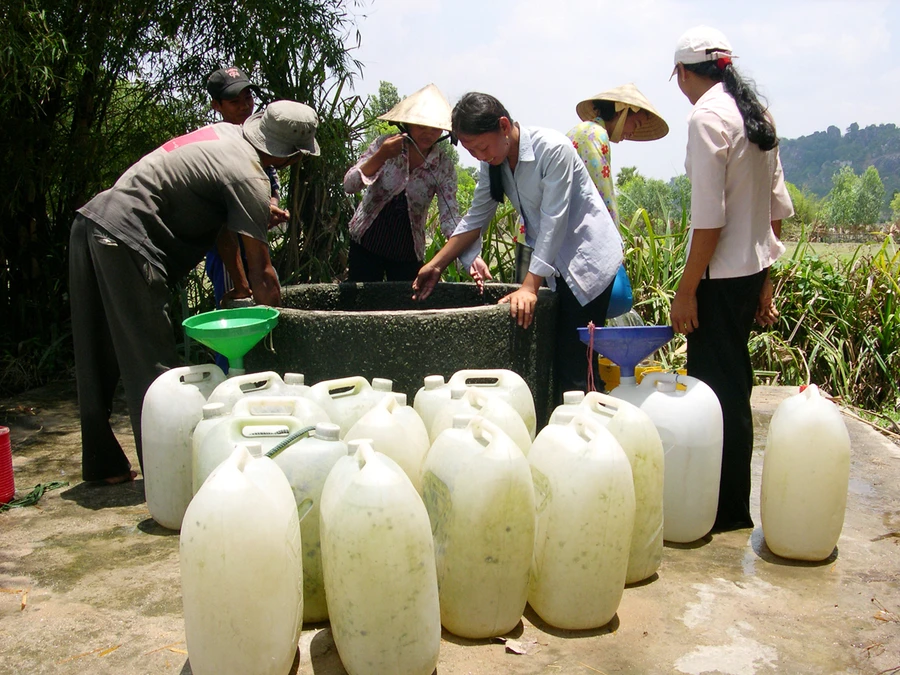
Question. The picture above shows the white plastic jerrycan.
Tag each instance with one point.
(507, 385)
(295, 385)
(584, 498)
(378, 559)
(249, 384)
(305, 411)
(220, 440)
(480, 499)
(474, 401)
(571, 401)
(173, 405)
(806, 474)
(638, 437)
(395, 430)
(241, 569)
(430, 397)
(689, 423)
(306, 464)
(349, 398)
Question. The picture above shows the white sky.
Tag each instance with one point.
(818, 62)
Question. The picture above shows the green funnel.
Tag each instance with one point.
(232, 332)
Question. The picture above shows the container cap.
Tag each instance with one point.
(573, 397)
(434, 381)
(563, 417)
(211, 410)
(382, 384)
(462, 421)
(400, 397)
(327, 431)
(254, 448)
(294, 378)
(665, 386)
(457, 392)
(356, 442)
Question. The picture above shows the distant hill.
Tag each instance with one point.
(811, 161)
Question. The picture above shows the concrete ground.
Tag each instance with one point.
(90, 584)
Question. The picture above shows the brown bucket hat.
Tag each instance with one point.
(627, 96)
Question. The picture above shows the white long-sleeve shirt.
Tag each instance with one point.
(566, 221)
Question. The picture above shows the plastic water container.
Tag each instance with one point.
(806, 474)
(507, 385)
(306, 464)
(475, 401)
(571, 402)
(7, 480)
(221, 439)
(636, 433)
(348, 398)
(689, 423)
(480, 499)
(307, 412)
(378, 559)
(241, 570)
(173, 405)
(430, 397)
(295, 385)
(584, 498)
(395, 430)
(267, 383)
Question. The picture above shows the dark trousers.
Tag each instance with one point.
(571, 353)
(717, 354)
(121, 327)
(367, 266)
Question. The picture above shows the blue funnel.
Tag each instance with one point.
(627, 346)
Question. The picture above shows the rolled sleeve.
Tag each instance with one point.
(555, 202)
(707, 155)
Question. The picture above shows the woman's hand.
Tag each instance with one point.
(766, 313)
(521, 305)
(480, 273)
(425, 281)
(392, 147)
(683, 313)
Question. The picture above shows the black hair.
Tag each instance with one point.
(605, 110)
(759, 126)
(477, 113)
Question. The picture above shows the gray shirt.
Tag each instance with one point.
(172, 203)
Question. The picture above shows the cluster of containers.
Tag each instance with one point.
(340, 502)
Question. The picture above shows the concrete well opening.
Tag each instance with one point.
(329, 331)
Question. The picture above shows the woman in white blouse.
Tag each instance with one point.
(738, 199)
(576, 246)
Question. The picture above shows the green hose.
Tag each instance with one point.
(289, 441)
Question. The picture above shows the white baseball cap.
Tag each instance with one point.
(701, 44)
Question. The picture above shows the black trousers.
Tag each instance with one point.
(717, 354)
(121, 328)
(367, 266)
(571, 352)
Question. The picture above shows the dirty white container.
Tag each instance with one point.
(806, 476)
(305, 411)
(379, 565)
(221, 439)
(584, 499)
(348, 398)
(306, 464)
(689, 423)
(571, 401)
(474, 401)
(480, 500)
(396, 430)
(241, 569)
(503, 383)
(638, 437)
(173, 405)
(295, 385)
(430, 397)
(267, 383)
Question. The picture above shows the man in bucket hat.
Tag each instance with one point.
(130, 243)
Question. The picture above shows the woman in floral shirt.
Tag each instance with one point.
(623, 113)
(401, 174)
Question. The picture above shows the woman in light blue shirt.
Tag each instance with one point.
(577, 248)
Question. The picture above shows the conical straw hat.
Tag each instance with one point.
(628, 95)
(427, 107)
